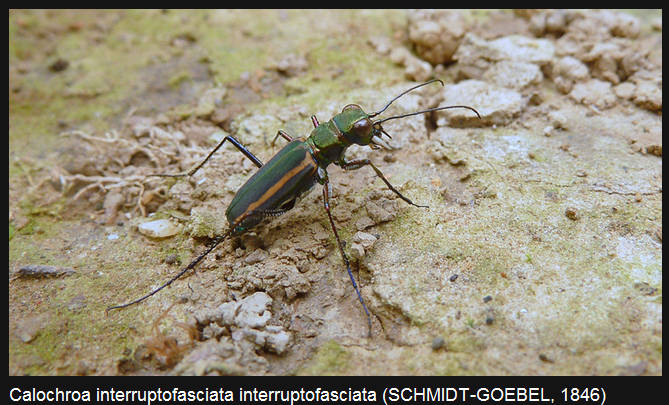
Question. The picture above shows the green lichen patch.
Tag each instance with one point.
(330, 359)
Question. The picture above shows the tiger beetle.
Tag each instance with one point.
(295, 169)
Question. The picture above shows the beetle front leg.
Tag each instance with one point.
(326, 204)
(232, 140)
(356, 164)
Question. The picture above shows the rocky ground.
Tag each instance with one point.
(540, 252)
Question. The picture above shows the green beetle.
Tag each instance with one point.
(295, 169)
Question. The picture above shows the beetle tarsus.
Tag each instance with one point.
(326, 204)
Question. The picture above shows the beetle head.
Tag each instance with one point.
(356, 126)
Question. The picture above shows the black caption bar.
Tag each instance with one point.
(331, 390)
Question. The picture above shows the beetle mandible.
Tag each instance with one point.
(295, 169)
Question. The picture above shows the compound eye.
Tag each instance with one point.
(362, 127)
(352, 107)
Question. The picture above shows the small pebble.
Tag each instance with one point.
(635, 369)
(487, 298)
(571, 214)
(77, 303)
(256, 256)
(645, 288)
(489, 315)
(112, 236)
(59, 65)
(558, 120)
(160, 228)
(453, 277)
(545, 358)
(171, 259)
(364, 223)
(28, 328)
(365, 239)
(438, 343)
(357, 250)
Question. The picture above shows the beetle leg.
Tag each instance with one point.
(181, 273)
(232, 140)
(231, 231)
(314, 121)
(356, 164)
(326, 203)
(284, 135)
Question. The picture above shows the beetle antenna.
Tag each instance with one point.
(403, 93)
(426, 111)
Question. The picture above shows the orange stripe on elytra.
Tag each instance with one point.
(308, 160)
